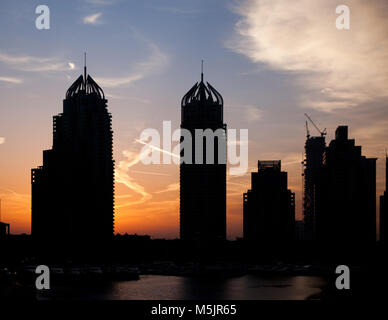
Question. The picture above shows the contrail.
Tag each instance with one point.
(159, 149)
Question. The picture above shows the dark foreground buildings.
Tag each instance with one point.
(202, 182)
(73, 192)
(346, 195)
(269, 207)
(384, 208)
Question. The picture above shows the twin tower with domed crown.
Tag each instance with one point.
(73, 191)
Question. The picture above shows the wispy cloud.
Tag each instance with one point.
(336, 68)
(136, 99)
(151, 173)
(93, 19)
(11, 80)
(16, 207)
(177, 10)
(35, 64)
(101, 2)
(2, 140)
(158, 149)
(122, 176)
(155, 61)
(169, 188)
(252, 113)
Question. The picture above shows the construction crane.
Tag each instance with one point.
(323, 133)
(307, 130)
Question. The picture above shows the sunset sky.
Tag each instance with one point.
(272, 60)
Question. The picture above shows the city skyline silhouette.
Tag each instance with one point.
(85, 85)
(206, 153)
(145, 71)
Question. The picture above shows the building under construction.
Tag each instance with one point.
(314, 150)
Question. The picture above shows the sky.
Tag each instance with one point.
(272, 61)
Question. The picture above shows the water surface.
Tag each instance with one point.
(154, 287)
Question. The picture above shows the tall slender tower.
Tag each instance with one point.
(73, 192)
(314, 148)
(202, 181)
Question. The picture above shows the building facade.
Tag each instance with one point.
(202, 181)
(269, 207)
(73, 191)
(346, 199)
(314, 150)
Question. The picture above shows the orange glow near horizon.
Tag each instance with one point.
(147, 199)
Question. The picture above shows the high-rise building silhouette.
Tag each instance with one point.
(314, 150)
(4, 230)
(202, 182)
(384, 208)
(346, 199)
(73, 192)
(269, 207)
(4, 227)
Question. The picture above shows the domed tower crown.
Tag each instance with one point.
(202, 93)
(85, 85)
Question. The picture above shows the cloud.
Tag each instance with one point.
(16, 208)
(252, 113)
(151, 173)
(335, 68)
(122, 176)
(136, 99)
(2, 140)
(93, 19)
(11, 80)
(35, 64)
(101, 2)
(155, 61)
(152, 147)
(169, 188)
(177, 10)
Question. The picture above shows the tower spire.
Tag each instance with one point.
(85, 70)
(202, 71)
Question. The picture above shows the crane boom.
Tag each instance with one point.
(323, 133)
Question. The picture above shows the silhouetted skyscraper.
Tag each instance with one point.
(346, 199)
(203, 184)
(269, 207)
(384, 208)
(4, 230)
(314, 149)
(73, 192)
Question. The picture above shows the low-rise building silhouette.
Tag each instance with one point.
(269, 207)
